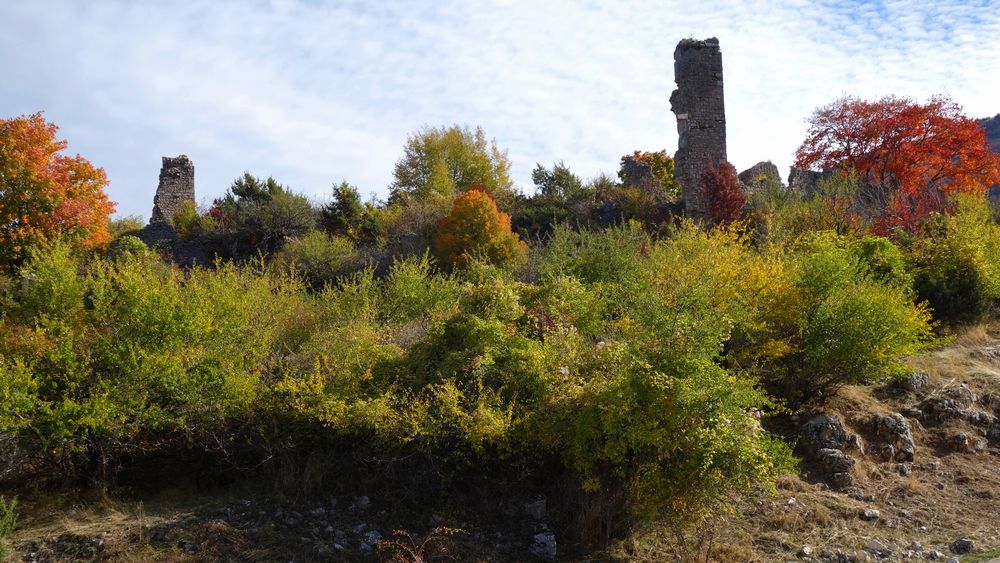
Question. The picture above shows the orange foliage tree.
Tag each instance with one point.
(476, 228)
(910, 157)
(45, 195)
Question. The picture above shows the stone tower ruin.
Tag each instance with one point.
(176, 186)
(701, 118)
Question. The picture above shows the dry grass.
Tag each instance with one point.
(932, 506)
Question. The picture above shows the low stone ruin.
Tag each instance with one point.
(760, 175)
(805, 182)
(638, 173)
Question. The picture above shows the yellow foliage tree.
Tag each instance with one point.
(475, 228)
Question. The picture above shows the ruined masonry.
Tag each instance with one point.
(176, 186)
(701, 118)
(639, 174)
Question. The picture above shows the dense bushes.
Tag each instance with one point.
(956, 264)
(259, 215)
(630, 359)
(317, 257)
(635, 363)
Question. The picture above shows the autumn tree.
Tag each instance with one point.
(46, 195)
(475, 228)
(909, 157)
(447, 161)
(725, 197)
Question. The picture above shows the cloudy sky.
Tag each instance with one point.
(315, 91)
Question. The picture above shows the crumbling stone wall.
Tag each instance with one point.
(176, 186)
(805, 182)
(759, 175)
(639, 173)
(701, 118)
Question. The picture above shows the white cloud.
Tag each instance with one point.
(314, 91)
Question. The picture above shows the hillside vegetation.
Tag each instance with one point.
(464, 341)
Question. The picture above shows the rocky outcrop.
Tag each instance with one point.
(805, 182)
(954, 403)
(893, 437)
(823, 441)
(638, 173)
(701, 118)
(760, 175)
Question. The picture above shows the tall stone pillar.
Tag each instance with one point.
(701, 118)
(176, 186)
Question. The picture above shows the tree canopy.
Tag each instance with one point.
(451, 160)
(909, 156)
(476, 228)
(46, 195)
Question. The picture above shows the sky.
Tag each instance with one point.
(313, 92)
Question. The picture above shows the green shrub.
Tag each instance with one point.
(611, 256)
(627, 363)
(119, 357)
(861, 333)
(780, 215)
(881, 260)
(317, 257)
(51, 288)
(128, 246)
(681, 447)
(859, 321)
(122, 226)
(8, 519)
(261, 215)
(954, 285)
(957, 263)
(186, 220)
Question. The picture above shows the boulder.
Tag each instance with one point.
(962, 546)
(916, 381)
(827, 432)
(759, 175)
(544, 546)
(892, 433)
(822, 441)
(962, 442)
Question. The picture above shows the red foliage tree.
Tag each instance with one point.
(725, 197)
(910, 157)
(476, 228)
(46, 195)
